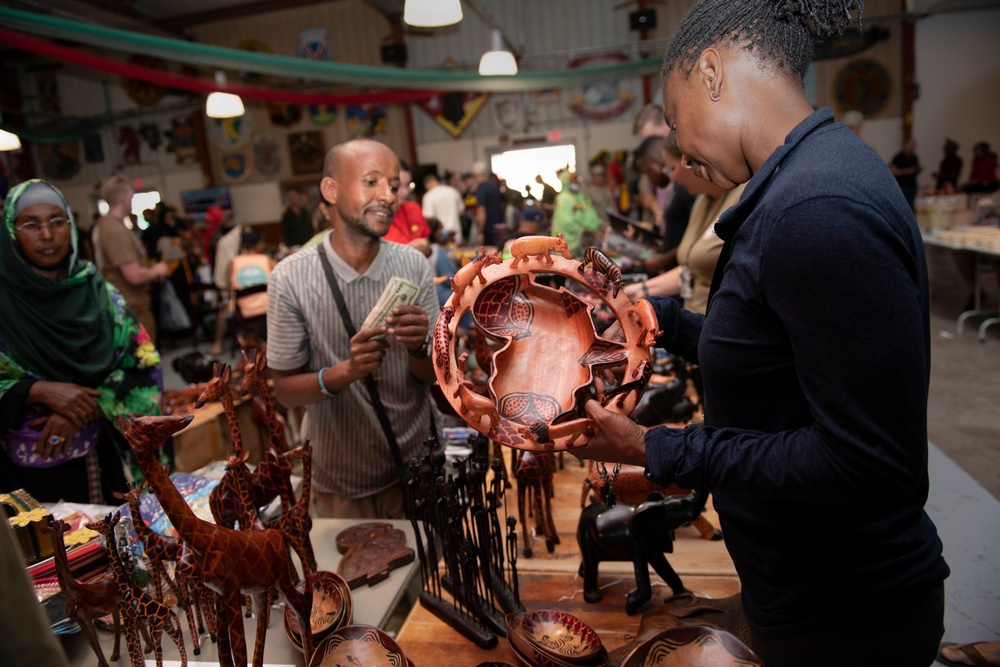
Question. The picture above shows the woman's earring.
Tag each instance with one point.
(714, 96)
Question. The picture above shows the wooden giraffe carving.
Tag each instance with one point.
(225, 501)
(273, 474)
(84, 602)
(157, 548)
(138, 606)
(297, 522)
(160, 548)
(232, 562)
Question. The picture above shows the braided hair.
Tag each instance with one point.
(781, 32)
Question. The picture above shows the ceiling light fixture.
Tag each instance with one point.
(499, 61)
(223, 105)
(432, 13)
(9, 141)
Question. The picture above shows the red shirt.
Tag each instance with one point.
(408, 224)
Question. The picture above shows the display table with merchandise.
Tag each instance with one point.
(373, 605)
(984, 243)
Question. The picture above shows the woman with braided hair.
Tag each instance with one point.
(814, 352)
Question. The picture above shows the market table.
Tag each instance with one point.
(429, 642)
(373, 605)
(982, 242)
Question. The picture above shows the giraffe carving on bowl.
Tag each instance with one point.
(84, 602)
(232, 562)
(138, 606)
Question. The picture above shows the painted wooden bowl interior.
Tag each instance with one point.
(545, 335)
(554, 638)
(358, 645)
(692, 646)
(332, 607)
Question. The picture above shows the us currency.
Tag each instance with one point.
(399, 292)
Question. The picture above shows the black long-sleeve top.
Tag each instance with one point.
(815, 356)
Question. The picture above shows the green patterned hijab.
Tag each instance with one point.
(60, 330)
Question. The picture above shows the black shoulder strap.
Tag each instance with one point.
(383, 418)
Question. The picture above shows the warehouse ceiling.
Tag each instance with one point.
(173, 17)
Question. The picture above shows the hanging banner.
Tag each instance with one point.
(454, 111)
(234, 167)
(366, 121)
(266, 158)
(128, 139)
(604, 99)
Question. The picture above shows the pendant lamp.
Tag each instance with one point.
(223, 105)
(432, 13)
(499, 61)
(9, 141)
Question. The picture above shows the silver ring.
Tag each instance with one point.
(56, 440)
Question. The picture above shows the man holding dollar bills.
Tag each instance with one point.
(388, 292)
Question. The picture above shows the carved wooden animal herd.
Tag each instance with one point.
(529, 326)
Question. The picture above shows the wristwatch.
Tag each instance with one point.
(421, 352)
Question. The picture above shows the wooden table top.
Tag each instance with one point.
(429, 642)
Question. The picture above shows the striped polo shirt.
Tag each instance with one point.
(304, 330)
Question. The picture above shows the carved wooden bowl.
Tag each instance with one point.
(332, 607)
(692, 646)
(545, 349)
(358, 645)
(556, 638)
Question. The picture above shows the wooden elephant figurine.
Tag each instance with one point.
(640, 534)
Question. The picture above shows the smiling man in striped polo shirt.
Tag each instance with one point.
(316, 363)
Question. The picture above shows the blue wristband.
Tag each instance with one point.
(322, 387)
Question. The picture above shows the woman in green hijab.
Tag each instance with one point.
(72, 357)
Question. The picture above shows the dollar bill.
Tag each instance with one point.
(399, 292)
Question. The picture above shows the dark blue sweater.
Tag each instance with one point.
(815, 356)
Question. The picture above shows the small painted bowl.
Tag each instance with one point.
(532, 657)
(358, 645)
(332, 607)
(692, 646)
(558, 635)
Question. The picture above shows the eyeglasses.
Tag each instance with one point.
(33, 228)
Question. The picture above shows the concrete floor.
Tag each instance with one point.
(963, 414)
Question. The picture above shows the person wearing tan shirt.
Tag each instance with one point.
(121, 256)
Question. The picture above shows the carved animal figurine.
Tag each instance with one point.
(442, 340)
(468, 273)
(638, 534)
(138, 606)
(84, 602)
(156, 546)
(160, 548)
(538, 246)
(232, 561)
(273, 474)
(470, 402)
(643, 314)
(640, 377)
(535, 491)
(602, 264)
(632, 487)
(297, 522)
(228, 505)
(544, 434)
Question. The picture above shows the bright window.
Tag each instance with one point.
(519, 167)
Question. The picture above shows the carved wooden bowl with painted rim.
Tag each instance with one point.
(555, 636)
(692, 646)
(546, 350)
(358, 645)
(332, 607)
